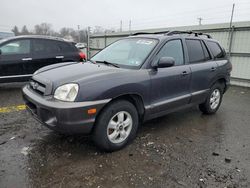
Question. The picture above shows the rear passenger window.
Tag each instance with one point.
(45, 46)
(216, 49)
(195, 51)
(172, 49)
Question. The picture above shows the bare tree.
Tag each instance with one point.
(98, 29)
(43, 29)
(24, 31)
(15, 30)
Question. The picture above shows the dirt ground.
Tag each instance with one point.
(182, 149)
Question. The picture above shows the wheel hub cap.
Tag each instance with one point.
(215, 99)
(119, 127)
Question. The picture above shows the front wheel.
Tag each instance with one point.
(116, 126)
(213, 101)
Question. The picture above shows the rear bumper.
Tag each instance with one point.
(64, 117)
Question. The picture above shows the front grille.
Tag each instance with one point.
(37, 87)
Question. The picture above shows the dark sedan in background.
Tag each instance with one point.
(21, 56)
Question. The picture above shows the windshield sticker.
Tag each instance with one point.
(147, 42)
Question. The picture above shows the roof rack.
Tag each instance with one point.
(169, 33)
(147, 33)
(188, 32)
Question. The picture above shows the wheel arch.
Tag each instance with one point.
(133, 98)
(221, 80)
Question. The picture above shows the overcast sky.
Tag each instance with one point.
(108, 13)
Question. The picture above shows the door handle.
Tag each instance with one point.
(27, 59)
(60, 57)
(184, 73)
(213, 68)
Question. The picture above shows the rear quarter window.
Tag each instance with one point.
(216, 49)
(66, 47)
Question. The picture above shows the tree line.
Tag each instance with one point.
(65, 32)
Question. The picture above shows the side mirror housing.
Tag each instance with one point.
(165, 62)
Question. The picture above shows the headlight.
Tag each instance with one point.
(67, 92)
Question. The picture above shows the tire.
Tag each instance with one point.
(209, 107)
(113, 130)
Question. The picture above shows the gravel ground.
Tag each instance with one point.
(182, 149)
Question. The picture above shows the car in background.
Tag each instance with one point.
(21, 56)
(4, 34)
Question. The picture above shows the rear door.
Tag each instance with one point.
(68, 51)
(14, 55)
(44, 52)
(203, 69)
(170, 86)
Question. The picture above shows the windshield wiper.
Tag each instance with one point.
(91, 61)
(108, 63)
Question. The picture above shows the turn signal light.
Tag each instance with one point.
(91, 111)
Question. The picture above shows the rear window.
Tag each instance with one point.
(195, 51)
(216, 49)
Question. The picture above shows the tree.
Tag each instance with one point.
(24, 31)
(43, 29)
(15, 30)
(98, 30)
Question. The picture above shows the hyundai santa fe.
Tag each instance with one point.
(133, 80)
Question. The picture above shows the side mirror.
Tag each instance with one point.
(0, 52)
(165, 62)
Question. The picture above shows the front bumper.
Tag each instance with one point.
(64, 117)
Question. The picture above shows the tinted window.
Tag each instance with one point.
(65, 47)
(16, 47)
(172, 49)
(216, 50)
(205, 50)
(45, 46)
(195, 51)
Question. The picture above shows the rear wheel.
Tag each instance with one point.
(213, 101)
(116, 126)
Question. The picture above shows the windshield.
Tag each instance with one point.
(127, 52)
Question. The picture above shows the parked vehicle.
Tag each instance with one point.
(4, 34)
(21, 56)
(132, 80)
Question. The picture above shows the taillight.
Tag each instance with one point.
(82, 55)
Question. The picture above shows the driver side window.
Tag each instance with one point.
(172, 49)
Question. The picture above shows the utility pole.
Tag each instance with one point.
(78, 27)
(232, 14)
(129, 26)
(88, 41)
(230, 36)
(200, 19)
(121, 26)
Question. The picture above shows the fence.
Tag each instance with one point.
(235, 40)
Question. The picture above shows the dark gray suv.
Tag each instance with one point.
(132, 80)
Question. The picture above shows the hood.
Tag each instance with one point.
(78, 72)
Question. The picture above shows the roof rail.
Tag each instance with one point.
(188, 32)
(169, 33)
(148, 33)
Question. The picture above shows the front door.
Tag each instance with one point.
(14, 55)
(170, 86)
